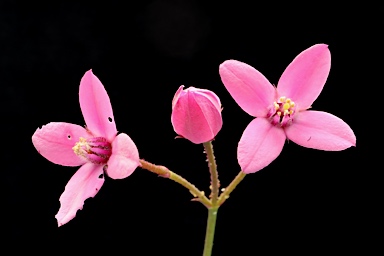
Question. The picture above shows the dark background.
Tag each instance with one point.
(305, 201)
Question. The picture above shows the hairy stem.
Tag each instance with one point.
(225, 195)
(215, 183)
(166, 173)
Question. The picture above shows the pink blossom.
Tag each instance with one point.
(282, 113)
(97, 148)
(196, 114)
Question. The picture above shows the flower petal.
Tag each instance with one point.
(96, 107)
(248, 87)
(124, 159)
(196, 115)
(85, 183)
(213, 98)
(210, 108)
(259, 145)
(304, 78)
(55, 141)
(177, 95)
(320, 130)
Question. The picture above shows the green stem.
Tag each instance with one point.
(215, 183)
(166, 173)
(210, 232)
(212, 212)
(212, 205)
(225, 195)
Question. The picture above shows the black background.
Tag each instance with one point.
(142, 51)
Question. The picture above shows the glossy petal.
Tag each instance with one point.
(55, 141)
(320, 130)
(248, 87)
(259, 145)
(304, 78)
(196, 115)
(85, 183)
(124, 159)
(96, 107)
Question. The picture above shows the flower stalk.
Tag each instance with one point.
(166, 173)
(210, 231)
(215, 200)
(215, 183)
(225, 195)
(212, 212)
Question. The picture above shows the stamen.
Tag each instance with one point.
(276, 105)
(282, 112)
(81, 147)
(96, 150)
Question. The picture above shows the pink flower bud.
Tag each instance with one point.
(196, 114)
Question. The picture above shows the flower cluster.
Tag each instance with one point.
(280, 113)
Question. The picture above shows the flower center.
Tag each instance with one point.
(97, 150)
(282, 112)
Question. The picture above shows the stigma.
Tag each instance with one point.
(96, 150)
(282, 112)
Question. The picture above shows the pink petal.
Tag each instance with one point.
(304, 78)
(211, 96)
(320, 130)
(96, 107)
(259, 145)
(55, 141)
(85, 183)
(124, 159)
(248, 87)
(177, 95)
(196, 115)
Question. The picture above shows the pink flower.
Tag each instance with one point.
(97, 148)
(196, 114)
(282, 112)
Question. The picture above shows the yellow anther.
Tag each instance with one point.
(292, 104)
(278, 113)
(286, 112)
(288, 100)
(282, 99)
(290, 112)
(286, 106)
(276, 105)
(81, 147)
